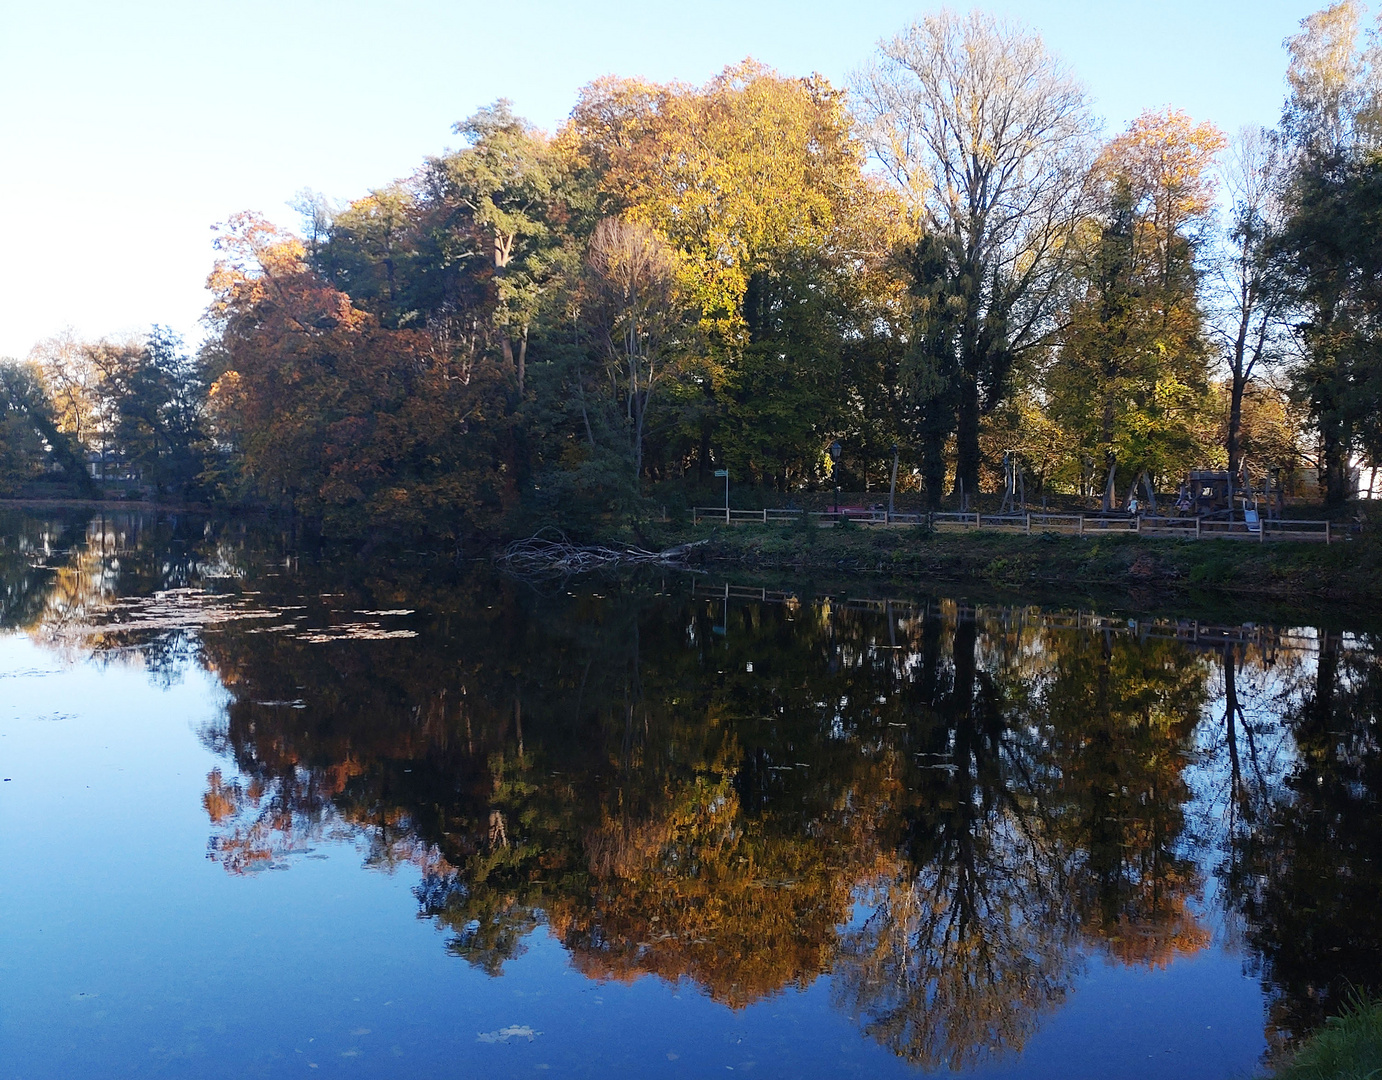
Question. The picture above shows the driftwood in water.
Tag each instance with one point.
(549, 554)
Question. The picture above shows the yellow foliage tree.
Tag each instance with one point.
(1130, 380)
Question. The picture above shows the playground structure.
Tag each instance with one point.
(1212, 493)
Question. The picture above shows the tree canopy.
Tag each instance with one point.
(945, 262)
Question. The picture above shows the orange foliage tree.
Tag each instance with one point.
(348, 422)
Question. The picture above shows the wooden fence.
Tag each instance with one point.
(1185, 528)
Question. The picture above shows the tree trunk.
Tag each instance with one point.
(640, 408)
(933, 466)
(1319, 716)
(1235, 423)
(964, 652)
(1335, 462)
(1231, 724)
(967, 455)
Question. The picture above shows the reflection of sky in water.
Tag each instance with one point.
(127, 947)
(127, 950)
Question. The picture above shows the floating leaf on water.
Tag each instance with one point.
(503, 1035)
(353, 632)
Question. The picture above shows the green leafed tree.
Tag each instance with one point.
(155, 394)
(30, 432)
(1130, 378)
(1333, 213)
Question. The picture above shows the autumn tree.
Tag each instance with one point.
(987, 137)
(356, 425)
(1249, 301)
(631, 301)
(30, 433)
(368, 250)
(468, 248)
(21, 449)
(1331, 215)
(504, 207)
(755, 179)
(153, 400)
(1334, 101)
(1131, 375)
(1333, 271)
(72, 379)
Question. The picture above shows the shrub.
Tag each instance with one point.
(1348, 1047)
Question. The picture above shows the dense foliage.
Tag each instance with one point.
(945, 262)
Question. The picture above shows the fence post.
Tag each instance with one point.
(1197, 526)
(765, 515)
(726, 515)
(1137, 524)
(1326, 532)
(1081, 532)
(1029, 524)
(1261, 530)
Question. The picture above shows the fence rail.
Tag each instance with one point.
(1149, 525)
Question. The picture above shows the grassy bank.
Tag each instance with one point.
(1349, 1047)
(1348, 572)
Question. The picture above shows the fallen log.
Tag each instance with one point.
(549, 554)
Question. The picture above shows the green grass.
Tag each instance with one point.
(1348, 1047)
(1347, 573)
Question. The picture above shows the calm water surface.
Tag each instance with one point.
(263, 818)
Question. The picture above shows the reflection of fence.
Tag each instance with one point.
(1185, 528)
(1190, 631)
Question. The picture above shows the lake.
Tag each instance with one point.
(265, 813)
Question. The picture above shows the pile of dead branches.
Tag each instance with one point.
(549, 554)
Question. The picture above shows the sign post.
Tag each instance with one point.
(892, 486)
(725, 474)
(836, 451)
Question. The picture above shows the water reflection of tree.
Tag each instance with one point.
(28, 549)
(597, 784)
(62, 579)
(716, 832)
(1308, 877)
(1045, 812)
(1121, 716)
(968, 943)
(679, 790)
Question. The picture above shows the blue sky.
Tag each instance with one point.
(129, 127)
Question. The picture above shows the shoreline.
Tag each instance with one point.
(1347, 573)
(35, 503)
(1148, 571)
